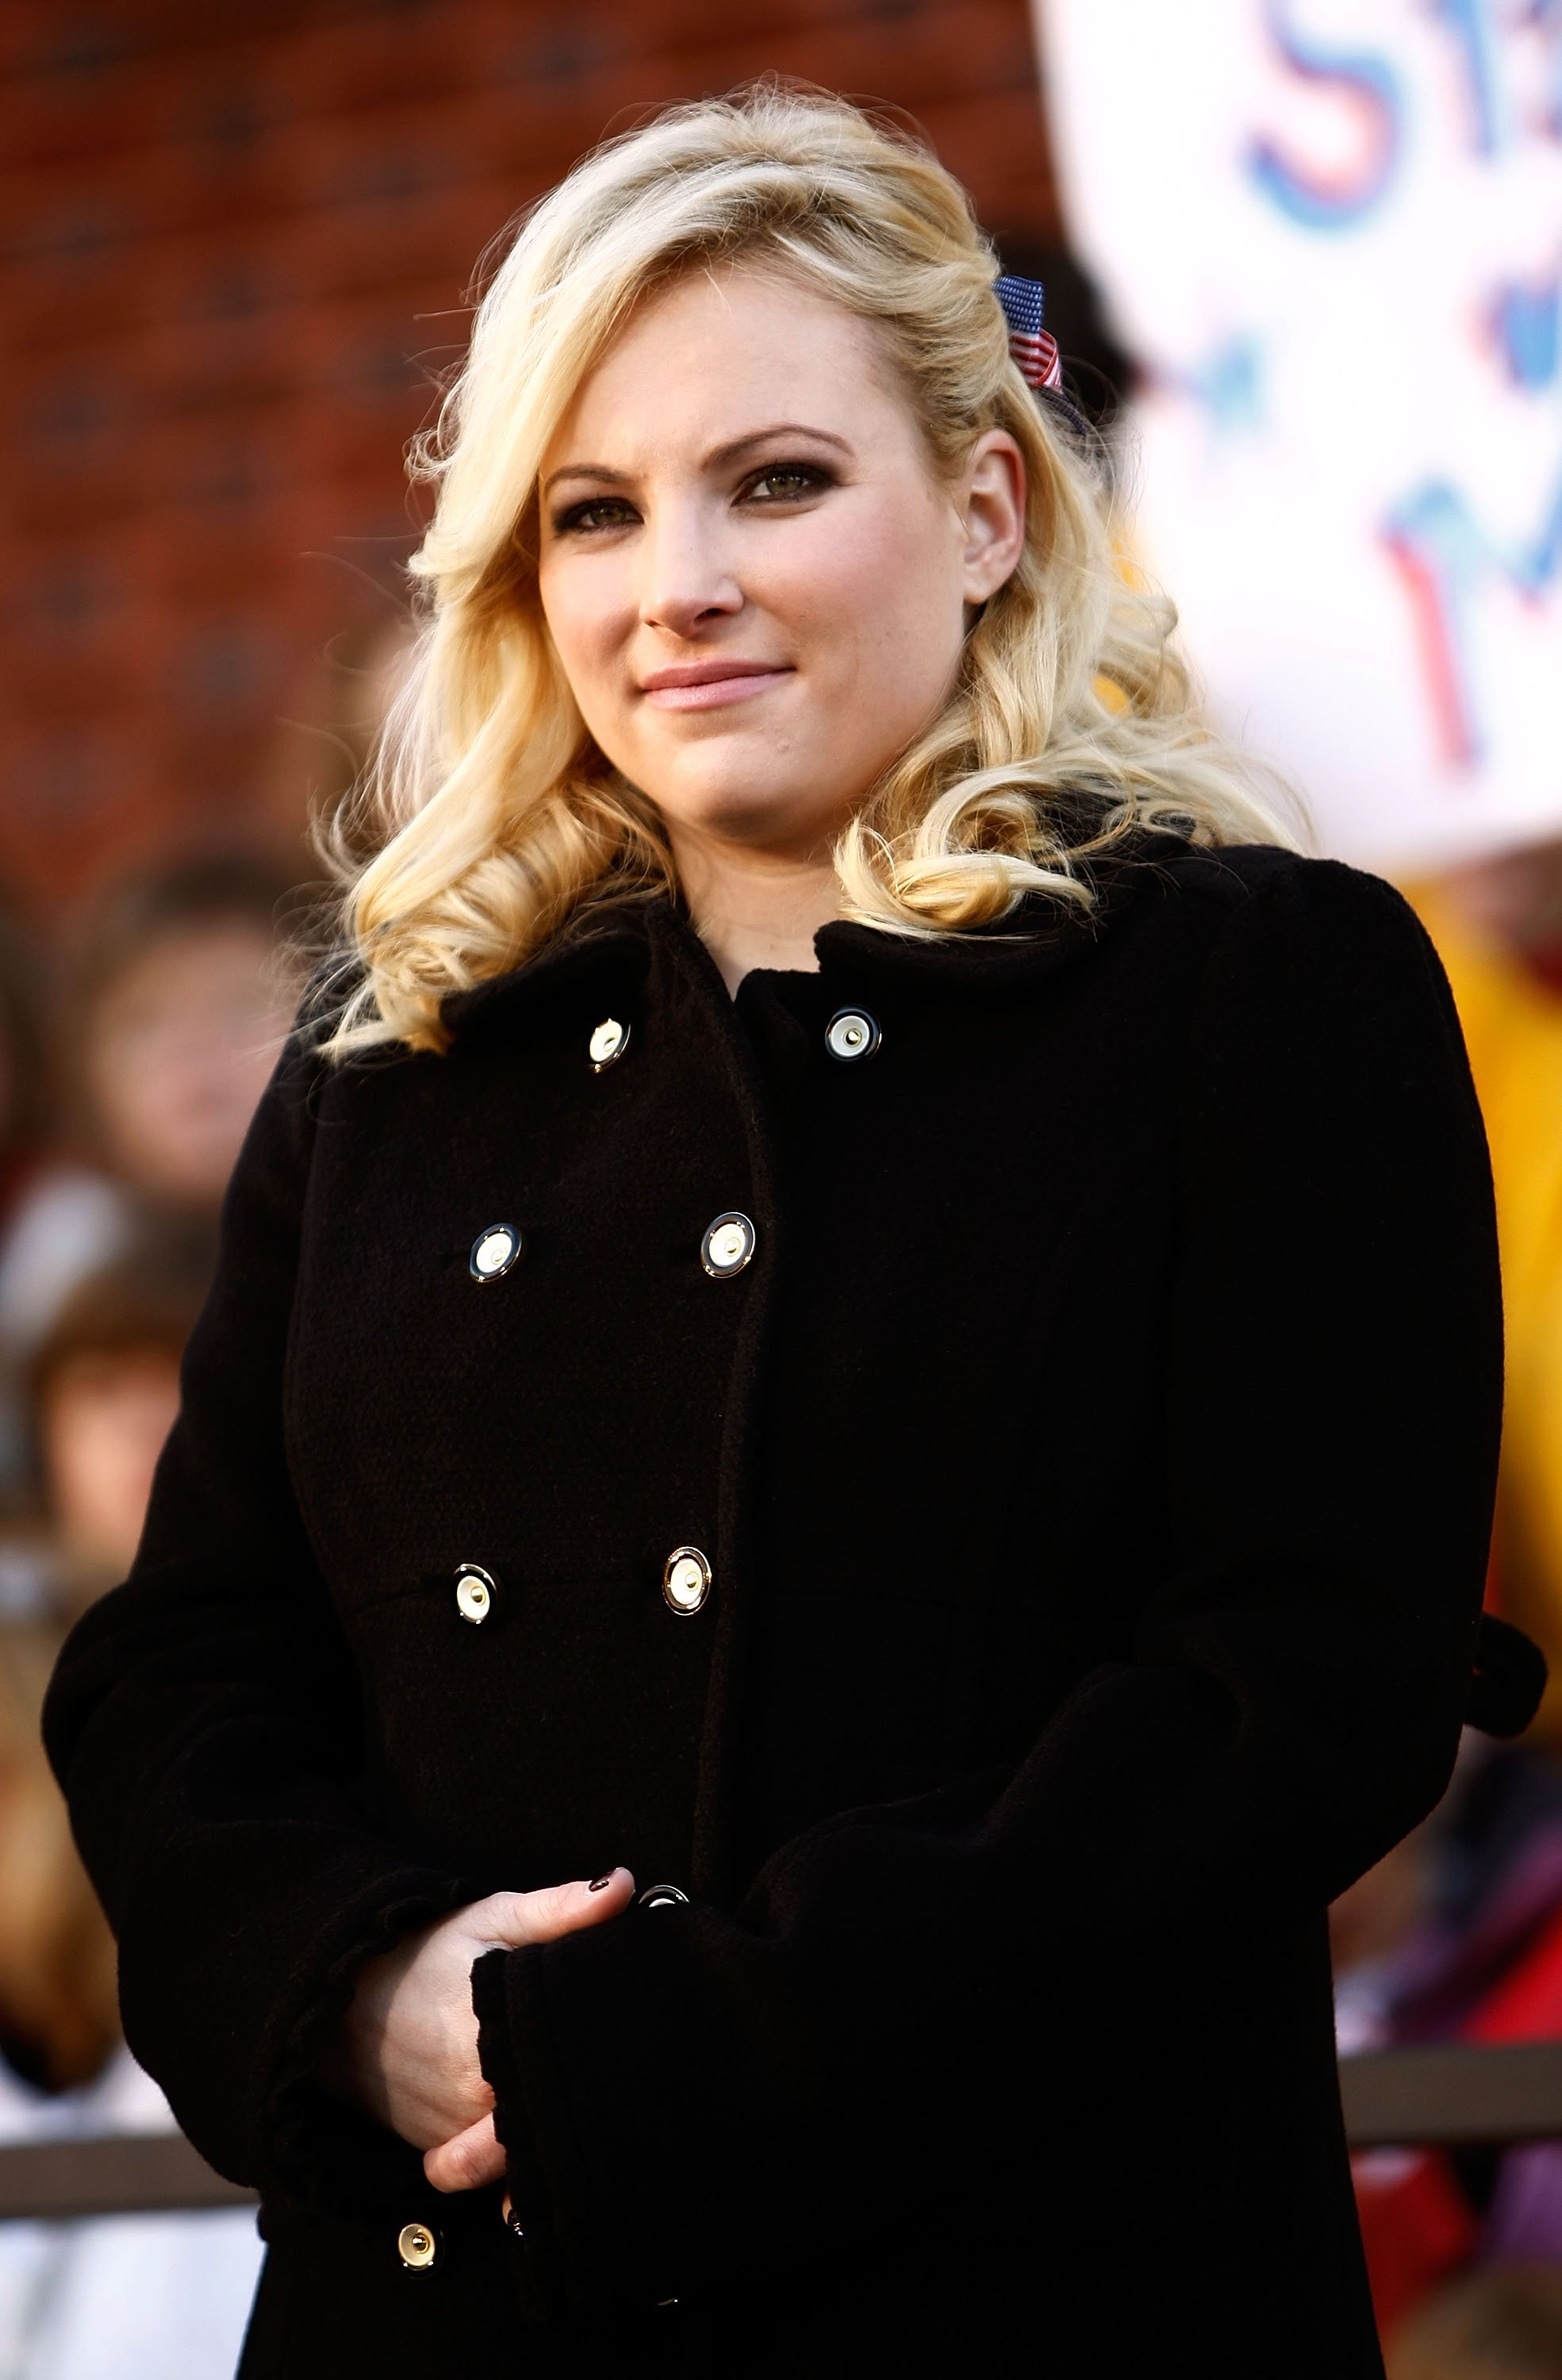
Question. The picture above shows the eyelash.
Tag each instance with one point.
(574, 520)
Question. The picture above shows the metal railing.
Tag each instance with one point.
(122, 2173)
(1455, 2095)
(1452, 2096)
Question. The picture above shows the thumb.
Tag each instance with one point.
(470, 2161)
(510, 1920)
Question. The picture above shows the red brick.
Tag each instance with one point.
(241, 248)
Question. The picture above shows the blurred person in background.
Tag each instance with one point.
(104, 1392)
(59, 2019)
(1457, 1936)
(179, 1001)
(841, 1464)
(1496, 2325)
(25, 1118)
(27, 1145)
(1498, 925)
(154, 2297)
(173, 1009)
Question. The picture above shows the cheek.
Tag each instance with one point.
(876, 587)
(583, 606)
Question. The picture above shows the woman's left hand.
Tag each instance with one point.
(407, 2048)
(474, 2158)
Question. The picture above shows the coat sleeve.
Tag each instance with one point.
(204, 1722)
(692, 2095)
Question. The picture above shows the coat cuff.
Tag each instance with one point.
(540, 2278)
(321, 2150)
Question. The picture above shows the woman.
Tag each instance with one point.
(839, 1466)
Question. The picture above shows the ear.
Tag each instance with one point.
(993, 512)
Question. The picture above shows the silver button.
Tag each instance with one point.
(727, 1245)
(686, 1581)
(852, 1033)
(476, 1594)
(416, 2246)
(663, 1896)
(607, 1043)
(494, 1251)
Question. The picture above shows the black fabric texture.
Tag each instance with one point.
(1096, 1465)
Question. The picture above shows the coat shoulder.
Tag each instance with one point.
(1216, 882)
(1258, 905)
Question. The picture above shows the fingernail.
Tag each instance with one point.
(598, 1881)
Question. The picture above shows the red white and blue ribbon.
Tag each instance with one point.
(1034, 349)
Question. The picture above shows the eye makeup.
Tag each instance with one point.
(791, 481)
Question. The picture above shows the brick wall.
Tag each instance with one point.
(236, 240)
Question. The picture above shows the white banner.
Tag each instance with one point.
(1330, 233)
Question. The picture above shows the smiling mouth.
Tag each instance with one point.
(707, 686)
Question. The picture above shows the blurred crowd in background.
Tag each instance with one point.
(123, 1097)
(151, 954)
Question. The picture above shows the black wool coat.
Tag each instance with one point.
(1092, 1464)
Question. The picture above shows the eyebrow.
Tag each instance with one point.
(732, 452)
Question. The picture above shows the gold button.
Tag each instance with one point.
(728, 1245)
(494, 1251)
(475, 1593)
(417, 2247)
(851, 1033)
(686, 1581)
(608, 1042)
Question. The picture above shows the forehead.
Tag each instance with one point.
(722, 349)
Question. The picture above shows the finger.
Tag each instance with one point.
(470, 2161)
(513, 1919)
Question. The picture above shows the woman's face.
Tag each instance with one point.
(755, 580)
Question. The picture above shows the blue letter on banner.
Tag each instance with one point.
(1371, 85)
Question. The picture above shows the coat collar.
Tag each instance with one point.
(615, 946)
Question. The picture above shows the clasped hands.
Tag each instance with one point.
(406, 2048)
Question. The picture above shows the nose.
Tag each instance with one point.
(687, 578)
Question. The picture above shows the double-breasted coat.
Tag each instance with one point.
(973, 1465)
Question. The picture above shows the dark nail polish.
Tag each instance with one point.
(598, 1881)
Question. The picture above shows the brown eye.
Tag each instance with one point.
(784, 482)
(597, 513)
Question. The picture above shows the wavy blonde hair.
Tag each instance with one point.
(493, 819)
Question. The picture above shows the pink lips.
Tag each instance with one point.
(702, 686)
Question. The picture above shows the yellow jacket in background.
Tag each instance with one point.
(1513, 1026)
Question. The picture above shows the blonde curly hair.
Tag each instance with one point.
(494, 822)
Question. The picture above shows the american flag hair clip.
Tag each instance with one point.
(1034, 349)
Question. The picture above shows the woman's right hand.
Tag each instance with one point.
(406, 2048)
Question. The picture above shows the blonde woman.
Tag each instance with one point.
(840, 1466)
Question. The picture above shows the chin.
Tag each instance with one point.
(784, 828)
(738, 807)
